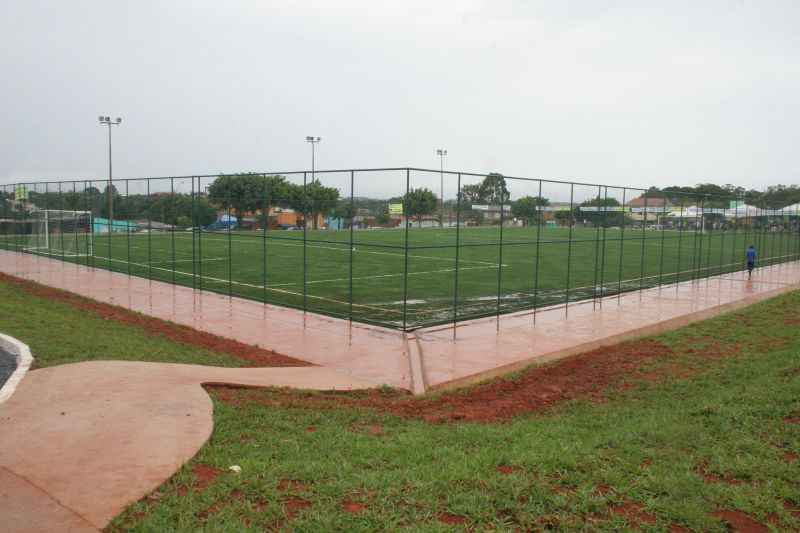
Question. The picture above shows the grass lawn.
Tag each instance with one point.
(58, 333)
(534, 267)
(703, 436)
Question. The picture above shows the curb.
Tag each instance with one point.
(24, 360)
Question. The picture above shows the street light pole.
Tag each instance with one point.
(313, 140)
(106, 121)
(442, 153)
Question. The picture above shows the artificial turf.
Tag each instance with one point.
(422, 276)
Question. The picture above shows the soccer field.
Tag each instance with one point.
(366, 281)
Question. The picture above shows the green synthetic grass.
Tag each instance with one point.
(58, 333)
(643, 446)
(572, 264)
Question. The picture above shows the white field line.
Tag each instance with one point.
(233, 282)
(196, 260)
(377, 276)
(345, 247)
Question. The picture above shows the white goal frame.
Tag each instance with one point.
(60, 215)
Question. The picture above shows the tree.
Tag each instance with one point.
(314, 199)
(471, 194)
(527, 208)
(493, 189)
(598, 214)
(419, 202)
(240, 193)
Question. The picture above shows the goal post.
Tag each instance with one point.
(60, 233)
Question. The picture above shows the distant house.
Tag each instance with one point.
(649, 208)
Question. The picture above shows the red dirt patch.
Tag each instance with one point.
(675, 528)
(585, 376)
(353, 507)
(204, 475)
(792, 508)
(792, 420)
(293, 506)
(738, 521)
(506, 469)
(451, 519)
(602, 490)
(253, 355)
(291, 485)
(633, 513)
(790, 457)
(712, 477)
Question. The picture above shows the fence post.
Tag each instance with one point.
(663, 238)
(265, 207)
(539, 217)
(621, 246)
(305, 242)
(644, 243)
(458, 250)
(173, 221)
(128, 226)
(352, 219)
(603, 257)
(405, 267)
(601, 209)
(569, 246)
(500, 255)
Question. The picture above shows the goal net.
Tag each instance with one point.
(61, 233)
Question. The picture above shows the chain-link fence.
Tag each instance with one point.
(397, 247)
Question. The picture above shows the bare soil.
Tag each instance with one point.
(739, 521)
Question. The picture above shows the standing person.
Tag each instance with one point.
(751, 260)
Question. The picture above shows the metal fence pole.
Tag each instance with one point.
(305, 241)
(500, 259)
(603, 256)
(621, 247)
(597, 245)
(174, 221)
(350, 273)
(149, 232)
(458, 250)
(265, 207)
(194, 238)
(644, 242)
(663, 240)
(230, 244)
(539, 216)
(128, 223)
(569, 245)
(405, 267)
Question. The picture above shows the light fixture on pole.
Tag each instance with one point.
(107, 121)
(313, 140)
(442, 153)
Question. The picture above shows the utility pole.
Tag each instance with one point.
(313, 141)
(442, 153)
(106, 121)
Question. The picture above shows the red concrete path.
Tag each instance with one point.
(80, 442)
(430, 357)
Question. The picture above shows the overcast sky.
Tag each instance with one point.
(620, 92)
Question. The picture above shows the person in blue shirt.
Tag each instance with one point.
(751, 260)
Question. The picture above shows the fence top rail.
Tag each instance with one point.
(644, 192)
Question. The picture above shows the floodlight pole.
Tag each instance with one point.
(106, 121)
(313, 141)
(442, 153)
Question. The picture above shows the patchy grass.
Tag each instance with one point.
(60, 333)
(702, 438)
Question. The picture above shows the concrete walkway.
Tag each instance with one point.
(80, 442)
(429, 358)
